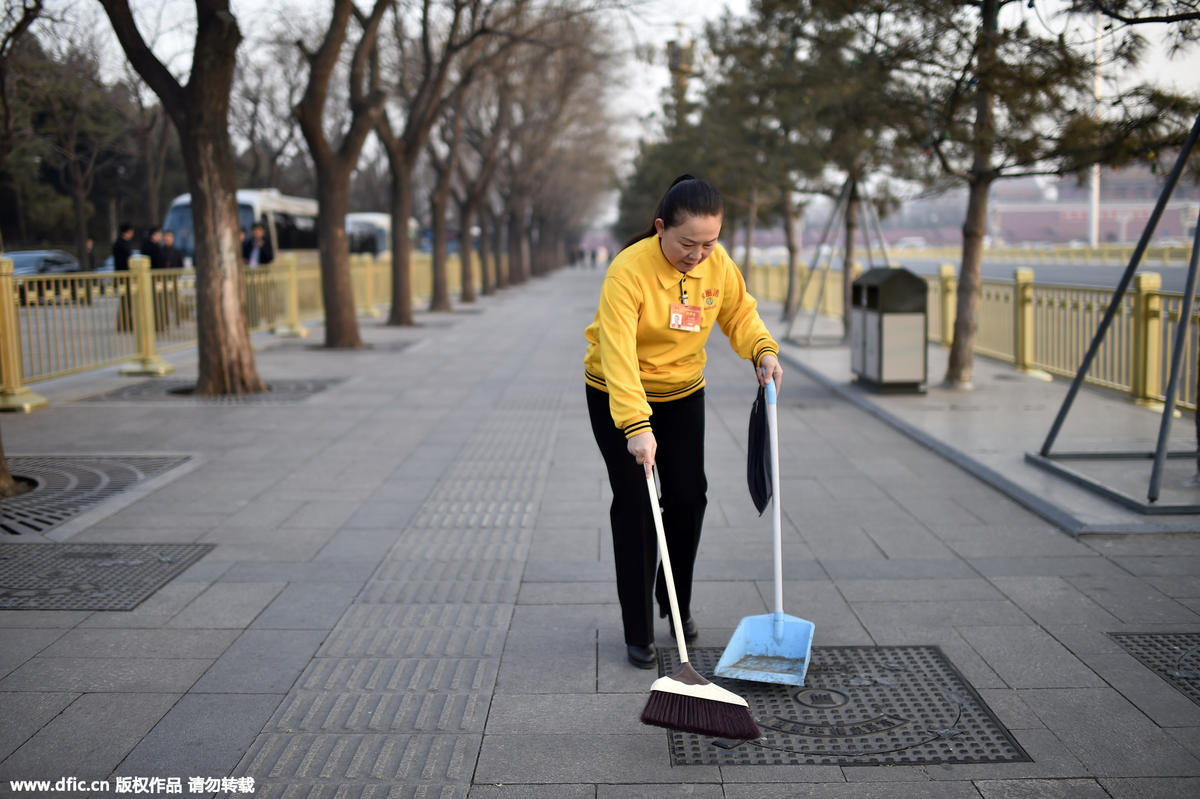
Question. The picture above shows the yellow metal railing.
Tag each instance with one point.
(1028, 255)
(51, 326)
(1048, 327)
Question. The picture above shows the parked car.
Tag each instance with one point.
(44, 263)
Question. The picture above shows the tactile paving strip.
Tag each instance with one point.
(179, 392)
(68, 485)
(89, 576)
(892, 705)
(1173, 656)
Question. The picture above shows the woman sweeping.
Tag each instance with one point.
(644, 371)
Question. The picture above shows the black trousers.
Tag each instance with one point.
(679, 430)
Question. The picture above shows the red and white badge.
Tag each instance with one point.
(685, 317)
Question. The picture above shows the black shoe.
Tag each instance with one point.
(690, 633)
(644, 657)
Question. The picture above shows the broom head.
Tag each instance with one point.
(687, 702)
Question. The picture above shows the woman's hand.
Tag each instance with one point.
(769, 367)
(642, 447)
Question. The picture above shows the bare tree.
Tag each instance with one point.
(444, 161)
(199, 110)
(487, 114)
(335, 161)
(430, 59)
(262, 110)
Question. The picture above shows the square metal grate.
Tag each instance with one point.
(67, 485)
(180, 392)
(89, 576)
(891, 705)
(1173, 656)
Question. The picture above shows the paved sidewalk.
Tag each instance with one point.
(989, 429)
(411, 592)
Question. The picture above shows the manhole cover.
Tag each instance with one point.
(69, 485)
(88, 576)
(891, 705)
(1173, 656)
(179, 392)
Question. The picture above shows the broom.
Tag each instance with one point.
(685, 701)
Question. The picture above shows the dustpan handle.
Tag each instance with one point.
(666, 564)
(776, 520)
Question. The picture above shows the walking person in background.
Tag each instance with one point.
(256, 250)
(171, 256)
(121, 250)
(644, 371)
(152, 248)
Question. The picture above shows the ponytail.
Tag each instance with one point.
(687, 196)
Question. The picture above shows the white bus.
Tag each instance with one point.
(290, 222)
(369, 232)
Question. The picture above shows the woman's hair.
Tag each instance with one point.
(687, 197)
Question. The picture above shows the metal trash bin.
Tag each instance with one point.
(889, 330)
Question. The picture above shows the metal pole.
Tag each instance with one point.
(816, 257)
(1185, 318)
(1094, 205)
(1123, 285)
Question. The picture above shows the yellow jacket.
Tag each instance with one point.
(635, 356)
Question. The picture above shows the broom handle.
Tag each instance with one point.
(776, 521)
(666, 564)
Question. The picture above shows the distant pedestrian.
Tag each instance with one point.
(122, 248)
(89, 255)
(256, 250)
(171, 254)
(644, 371)
(121, 251)
(152, 248)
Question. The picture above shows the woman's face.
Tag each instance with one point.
(690, 242)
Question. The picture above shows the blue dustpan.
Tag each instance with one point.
(773, 647)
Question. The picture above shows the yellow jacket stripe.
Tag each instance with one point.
(635, 356)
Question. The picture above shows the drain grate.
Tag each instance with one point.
(891, 705)
(89, 576)
(1173, 656)
(69, 485)
(179, 392)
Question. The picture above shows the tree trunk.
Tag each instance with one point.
(503, 268)
(337, 287)
(226, 357)
(792, 302)
(155, 158)
(79, 201)
(466, 249)
(402, 291)
(751, 219)
(200, 114)
(489, 266)
(518, 244)
(966, 321)
(962, 349)
(439, 199)
(9, 487)
(848, 261)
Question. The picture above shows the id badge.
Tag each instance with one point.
(685, 317)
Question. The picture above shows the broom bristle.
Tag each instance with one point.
(700, 716)
(676, 709)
